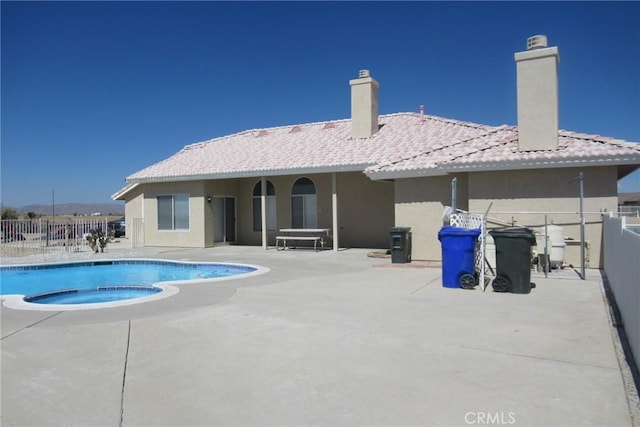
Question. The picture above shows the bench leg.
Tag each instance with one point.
(286, 246)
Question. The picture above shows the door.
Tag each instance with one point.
(224, 219)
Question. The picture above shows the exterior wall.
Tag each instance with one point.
(549, 191)
(282, 186)
(133, 208)
(194, 237)
(420, 203)
(365, 211)
(365, 208)
(244, 205)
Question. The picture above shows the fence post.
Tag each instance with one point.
(582, 243)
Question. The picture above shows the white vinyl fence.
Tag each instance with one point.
(622, 268)
(21, 237)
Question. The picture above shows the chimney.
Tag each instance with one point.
(364, 105)
(537, 77)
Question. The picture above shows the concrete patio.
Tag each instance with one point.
(323, 338)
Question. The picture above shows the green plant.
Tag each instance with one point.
(97, 240)
(9, 213)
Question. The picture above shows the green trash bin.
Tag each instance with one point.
(400, 242)
(513, 259)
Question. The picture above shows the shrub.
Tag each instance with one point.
(97, 240)
(9, 213)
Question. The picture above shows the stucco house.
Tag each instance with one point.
(360, 176)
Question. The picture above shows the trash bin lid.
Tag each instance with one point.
(448, 230)
(515, 233)
(400, 229)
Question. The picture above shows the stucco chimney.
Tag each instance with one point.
(364, 105)
(537, 80)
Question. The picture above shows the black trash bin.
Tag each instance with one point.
(400, 242)
(513, 259)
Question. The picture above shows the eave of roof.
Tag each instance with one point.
(499, 166)
(119, 195)
(255, 173)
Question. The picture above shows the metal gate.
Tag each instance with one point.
(475, 221)
(136, 235)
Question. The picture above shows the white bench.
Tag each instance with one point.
(314, 235)
(284, 239)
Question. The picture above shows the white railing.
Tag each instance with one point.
(462, 219)
(621, 266)
(21, 237)
(633, 211)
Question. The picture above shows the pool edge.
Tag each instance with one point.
(169, 288)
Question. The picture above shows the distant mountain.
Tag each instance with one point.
(75, 208)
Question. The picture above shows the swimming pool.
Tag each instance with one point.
(94, 284)
(102, 294)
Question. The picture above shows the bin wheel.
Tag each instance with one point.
(467, 281)
(500, 284)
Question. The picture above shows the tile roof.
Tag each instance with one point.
(407, 144)
(322, 146)
(498, 149)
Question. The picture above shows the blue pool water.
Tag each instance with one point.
(99, 295)
(32, 280)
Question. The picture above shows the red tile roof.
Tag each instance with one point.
(407, 144)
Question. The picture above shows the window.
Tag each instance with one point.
(173, 212)
(304, 211)
(257, 207)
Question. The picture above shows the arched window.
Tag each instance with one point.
(257, 207)
(304, 204)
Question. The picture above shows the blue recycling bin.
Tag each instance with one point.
(458, 257)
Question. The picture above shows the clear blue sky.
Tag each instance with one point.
(95, 91)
